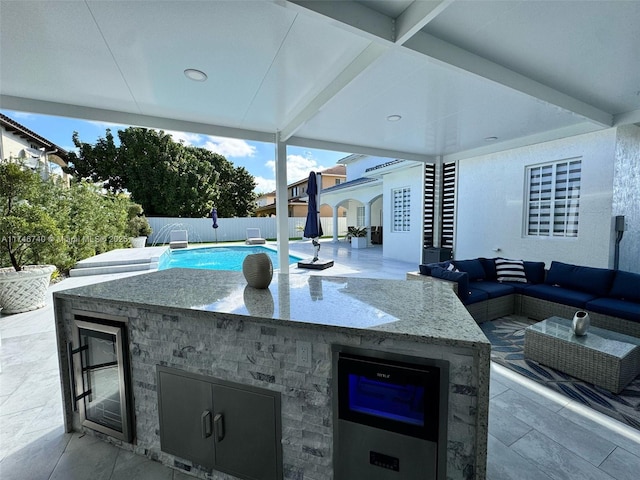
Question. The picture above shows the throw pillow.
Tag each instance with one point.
(510, 270)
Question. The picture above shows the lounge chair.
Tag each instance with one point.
(254, 237)
(178, 239)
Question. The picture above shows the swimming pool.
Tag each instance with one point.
(215, 258)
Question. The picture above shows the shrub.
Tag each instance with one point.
(44, 222)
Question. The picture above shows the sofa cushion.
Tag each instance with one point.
(616, 308)
(566, 296)
(425, 268)
(474, 296)
(534, 271)
(461, 278)
(489, 266)
(510, 270)
(626, 286)
(518, 287)
(493, 289)
(596, 281)
(472, 267)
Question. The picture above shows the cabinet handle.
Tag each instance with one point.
(206, 424)
(218, 427)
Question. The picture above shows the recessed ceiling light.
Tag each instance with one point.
(195, 75)
(490, 139)
(394, 118)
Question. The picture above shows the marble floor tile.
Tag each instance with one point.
(496, 387)
(131, 466)
(505, 464)
(572, 436)
(531, 390)
(622, 465)
(606, 427)
(504, 426)
(556, 461)
(37, 459)
(86, 458)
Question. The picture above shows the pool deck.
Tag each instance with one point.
(367, 262)
(534, 433)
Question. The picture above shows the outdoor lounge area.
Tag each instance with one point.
(534, 432)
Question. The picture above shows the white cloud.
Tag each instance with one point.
(20, 115)
(186, 138)
(264, 185)
(298, 167)
(109, 125)
(229, 147)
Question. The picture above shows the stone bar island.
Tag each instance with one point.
(197, 370)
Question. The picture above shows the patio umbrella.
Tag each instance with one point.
(214, 217)
(313, 228)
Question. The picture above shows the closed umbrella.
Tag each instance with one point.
(313, 228)
(214, 217)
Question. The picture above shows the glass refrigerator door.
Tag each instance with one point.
(101, 376)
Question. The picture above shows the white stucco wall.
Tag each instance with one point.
(405, 246)
(12, 145)
(357, 168)
(490, 203)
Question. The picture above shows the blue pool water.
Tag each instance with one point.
(215, 258)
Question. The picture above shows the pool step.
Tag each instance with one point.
(84, 270)
(118, 261)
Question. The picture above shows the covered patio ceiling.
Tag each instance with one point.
(466, 77)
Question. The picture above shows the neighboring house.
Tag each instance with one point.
(555, 200)
(17, 142)
(297, 195)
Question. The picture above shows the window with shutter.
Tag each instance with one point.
(553, 199)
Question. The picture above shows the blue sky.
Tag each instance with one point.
(257, 157)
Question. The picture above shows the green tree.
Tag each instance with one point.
(165, 177)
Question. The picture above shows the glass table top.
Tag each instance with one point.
(606, 341)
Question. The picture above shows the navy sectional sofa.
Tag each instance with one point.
(612, 297)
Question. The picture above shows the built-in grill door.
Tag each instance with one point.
(101, 377)
(245, 432)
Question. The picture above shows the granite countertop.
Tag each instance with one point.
(425, 311)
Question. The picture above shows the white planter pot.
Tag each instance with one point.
(138, 242)
(25, 290)
(358, 242)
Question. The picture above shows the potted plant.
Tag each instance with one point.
(138, 227)
(28, 236)
(358, 237)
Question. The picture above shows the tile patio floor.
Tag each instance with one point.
(534, 433)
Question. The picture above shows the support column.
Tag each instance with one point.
(367, 221)
(335, 223)
(282, 211)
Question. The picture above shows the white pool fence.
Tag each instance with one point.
(232, 229)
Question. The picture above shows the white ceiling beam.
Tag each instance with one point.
(449, 54)
(352, 149)
(125, 118)
(310, 107)
(626, 118)
(543, 137)
(416, 16)
(356, 17)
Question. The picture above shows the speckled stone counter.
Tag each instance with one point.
(212, 323)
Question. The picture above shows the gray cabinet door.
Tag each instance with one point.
(246, 433)
(185, 410)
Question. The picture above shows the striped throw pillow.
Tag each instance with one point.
(510, 270)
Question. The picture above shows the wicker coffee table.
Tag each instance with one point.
(601, 357)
